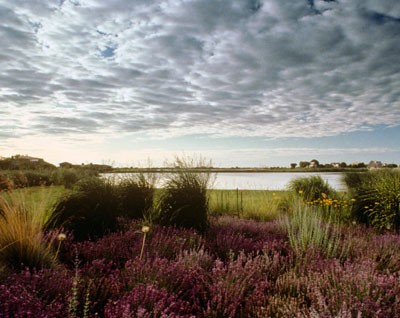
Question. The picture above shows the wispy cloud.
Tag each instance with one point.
(252, 68)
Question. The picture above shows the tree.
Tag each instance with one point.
(293, 165)
(304, 164)
(314, 163)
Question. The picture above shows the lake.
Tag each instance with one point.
(260, 180)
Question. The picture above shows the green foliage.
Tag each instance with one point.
(260, 205)
(66, 177)
(89, 212)
(307, 230)
(136, 195)
(184, 201)
(22, 220)
(5, 182)
(311, 188)
(377, 198)
(93, 208)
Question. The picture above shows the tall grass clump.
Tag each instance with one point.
(89, 212)
(311, 188)
(22, 222)
(136, 195)
(377, 198)
(183, 201)
(307, 230)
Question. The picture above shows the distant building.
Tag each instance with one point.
(373, 164)
(26, 157)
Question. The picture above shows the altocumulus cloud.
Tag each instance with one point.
(273, 68)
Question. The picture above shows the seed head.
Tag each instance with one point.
(145, 229)
(61, 237)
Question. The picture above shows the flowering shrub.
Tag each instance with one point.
(237, 268)
(35, 294)
(378, 198)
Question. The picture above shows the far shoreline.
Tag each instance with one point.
(235, 170)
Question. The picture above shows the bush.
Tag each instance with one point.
(136, 196)
(68, 177)
(90, 212)
(36, 178)
(5, 183)
(377, 198)
(311, 188)
(307, 231)
(22, 241)
(65, 177)
(19, 179)
(184, 201)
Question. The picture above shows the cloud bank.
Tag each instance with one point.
(272, 68)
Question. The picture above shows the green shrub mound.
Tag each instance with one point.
(184, 201)
(311, 188)
(89, 212)
(377, 198)
(92, 210)
(136, 196)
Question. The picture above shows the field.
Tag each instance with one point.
(295, 253)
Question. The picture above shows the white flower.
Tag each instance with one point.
(61, 237)
(145, 229)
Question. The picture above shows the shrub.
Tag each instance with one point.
(32, 293)
(311, 188)
(136, 196)
(19, 179)
(5, 183)
(184, 201)
(90, 212)
(22, 241)
(307, 230)
(148, 301)
(377, 198)
(37, 178)
(68, 177)
(65, 177)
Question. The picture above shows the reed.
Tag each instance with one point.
(22, 221)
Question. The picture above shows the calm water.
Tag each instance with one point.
(270, 180)
(261, 180)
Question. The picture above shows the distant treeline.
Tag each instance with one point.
(235, 169)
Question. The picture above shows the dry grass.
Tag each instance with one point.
(22, 220)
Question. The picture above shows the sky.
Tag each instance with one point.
(248, 83)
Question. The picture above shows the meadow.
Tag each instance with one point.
(99, 249)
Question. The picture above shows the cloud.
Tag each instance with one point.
(268, 68)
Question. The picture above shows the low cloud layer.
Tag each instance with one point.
(273, 68)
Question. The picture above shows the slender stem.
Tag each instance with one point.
(141, 252)
(58, 250)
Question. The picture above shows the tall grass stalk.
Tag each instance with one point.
(307, 230)
(22, 220)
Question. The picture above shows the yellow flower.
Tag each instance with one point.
(324, 195)
(300, 191)
(353, 200)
